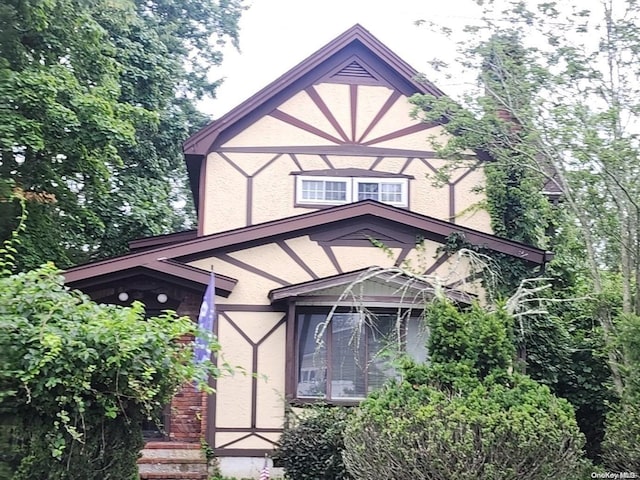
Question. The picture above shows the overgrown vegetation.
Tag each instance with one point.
(465, 414)
(557, 113)
(96, 99)
(78, 378)
(312, 448)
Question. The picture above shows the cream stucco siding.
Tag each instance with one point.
(470, 209)
(270, 131)
(370, 101)
(396, 118)
(221, 178)
(252, 290)
(233, 395)
(273, 259)
(425, 197)
(302, 107)
(271, 377)
(336, 97)
(313, 255)
(350, 258)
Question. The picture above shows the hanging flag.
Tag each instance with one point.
(205, 321)
(264, 473)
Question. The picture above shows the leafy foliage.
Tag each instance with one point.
(493, 431)
(78, 378)
(464, 414)
(621, 446)
(312, 448)
(96, 99)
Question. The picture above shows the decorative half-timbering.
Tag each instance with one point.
(301, 190)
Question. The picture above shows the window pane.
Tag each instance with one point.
(381, 339)
(312, 365)
(417, 336)
(336, 191)
(391, 192)
(348, 360)
(312, 190)
(367, 191)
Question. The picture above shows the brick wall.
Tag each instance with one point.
(188, 408)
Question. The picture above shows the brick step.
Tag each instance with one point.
(171, 460)
(172, 467)
(171, 450)
(173, 476)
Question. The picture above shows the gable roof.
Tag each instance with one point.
(169, 258)
(355, 53)
(410, 288)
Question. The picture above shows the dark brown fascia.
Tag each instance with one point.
(236, 239)
(200, 142)
(85, 276)
(301, 289)
(346, 149)
(160, 240)
(352, 172)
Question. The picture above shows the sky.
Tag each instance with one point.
(275, 35)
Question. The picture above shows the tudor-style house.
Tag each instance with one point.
(296, 190)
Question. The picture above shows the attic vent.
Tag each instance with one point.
(354, 69)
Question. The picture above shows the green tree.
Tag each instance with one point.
(95, 101)
(558, 102)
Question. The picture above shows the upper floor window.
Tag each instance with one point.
(313, 190)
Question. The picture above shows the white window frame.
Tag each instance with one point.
(403, 182)
(299, 190)
(352, 186)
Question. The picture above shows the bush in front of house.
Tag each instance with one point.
(312, 448)
(621, 445)
(465, 414)
(502, 428)
(78, 378)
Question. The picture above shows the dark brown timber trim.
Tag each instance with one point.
(296, 258)
(250, 268)
(452, 203)
(441, 259)
(202, 182)
(355, 150)
(296, 122)
(249, 201)
(393, 98)
(419, 127)
(332, 257)
(353, 101)
(317, 99)
(290, 355)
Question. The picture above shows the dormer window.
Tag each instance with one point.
(324, 190)
(318, 188)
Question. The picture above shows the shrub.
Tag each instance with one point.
(77, 378)
(312, 449)
(621, 445)
(495, 430)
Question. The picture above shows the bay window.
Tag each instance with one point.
(347, 357)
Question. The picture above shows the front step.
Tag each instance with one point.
(174, 476)
(172, 461)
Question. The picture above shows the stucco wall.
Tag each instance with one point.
(249, 187)
(253, 399)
